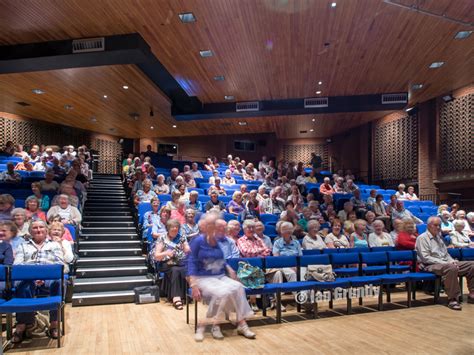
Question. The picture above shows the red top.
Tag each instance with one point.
(405, 241)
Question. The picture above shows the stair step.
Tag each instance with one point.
(109, 236)
(107, 208)
(89, 252)
(120, 283)
(107, 230)
(104, 218)
(99, 298)
(102, 213)
(110, 261)
(108, 244)
(117, 223)
(102, 203)
(111, 271)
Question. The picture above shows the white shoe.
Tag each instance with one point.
(199, 336)
(216, 332)
(273, 306)
(254, 308)
(245, 331)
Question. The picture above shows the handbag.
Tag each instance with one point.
(250, 276)
(321, 273)
(146, 294)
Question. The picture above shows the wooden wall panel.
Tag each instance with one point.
(302, 153)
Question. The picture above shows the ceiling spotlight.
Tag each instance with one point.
(412, 110)
(417, 86)
(219, 78)
(206, 53)
(462, 34)
(187, 17)
(68, 107)
(125, 87)
(448, 98)
(333, 4)
(174, 126)
(229, 97)
(105, 96)
(38, 91)
(320, 83)
(93, 119)
(311, 130)
(151, 127)
(134, 115)
(314, 120)
(318, 92)
(435, 65)
(242, 123)
(151, 112)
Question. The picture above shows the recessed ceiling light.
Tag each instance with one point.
(205, 54)
(318, 92)
(462, 34)
(229, 97)
(448, 98)
(112, 129)
(125, 87)
(174, 126)
(333, 4)
(314, 120)
(435, 65)
(242, 123)
(417, 86)
(68, 107)
(320, 82)
(151, 127)
(38, 91)
(219, 78)
(311, 130)
(105, 96)
(187, 17)
(93, 119)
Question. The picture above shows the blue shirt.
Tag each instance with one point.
(229, 248)
(6, 253)
(293, 248)
(204, 259)
(15, 242)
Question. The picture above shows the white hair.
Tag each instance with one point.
(378, 222)
(470, 215)
(458, 213)
(287, 225)
(458, 223)
(248, 223)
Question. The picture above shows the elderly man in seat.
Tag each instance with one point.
(434, 257)
(37, 251)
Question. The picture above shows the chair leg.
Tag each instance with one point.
(315, 309)
(349, 303)
(437, 289)
(461, 288)
(389, 297)
(331, 304)
(360, 301)
(63, 320)
(278, 305)
(195, 315)
(413, 291)
(264, 305)
(187, 308)
(9, 326)
(59, 326)
(380, 305)
(408, 287)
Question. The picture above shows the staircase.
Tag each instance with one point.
(110, 263)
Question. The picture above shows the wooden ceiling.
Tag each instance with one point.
(269, 49)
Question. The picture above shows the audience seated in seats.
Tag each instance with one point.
(10, 176)
(359, 205)
(336, 239)
(190, 229)
(151, 217)
(212, 178)
(56, 234)
(189, 180)
(37, 250)
(401, 213)
(259, 231)
(397, 228)
(239, 171)
(7, 203)
(41, 165)
(434, 257)
(371, 199)
(8, 235)
(369, 218)
(351, 216)
(227, 244)
(146, 194)
(407, 237)
(44, 200)
(217, 188)
(289, 214)
(235, 206)
(265, 204)
(208, 165)
(350, 187)
(49, 184)
(459, 237)
(160, 187)
(295, 196)
(25, 165)
(214, 203)
(313, 239)
(343, 215)
(193, 202)
(252, 208)
(446, 225)
(339, 185)
(196, 174)
(138, 181)
(401, 194)
(311, 179)
(69, 214)
(126, 167)
(179, 214)
(379, 238)
(9, 148)
(19, 152)
(327, 200)
(207, 277)
(170, 253)
(33, 210)
(6, 253)
(410, 195)
(380, 210)
(250, 245)
(20, 218)
(268, 183)
(455, 207)
(67, 234)
(359, 237)
(175, 197)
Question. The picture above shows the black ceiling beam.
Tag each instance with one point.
(118, 50)
(336, 104)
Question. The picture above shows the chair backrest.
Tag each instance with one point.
(280, 261)
(229, 216)
(37, 272)
(225, 199)
(467, 254)
(331, 250)
(270, 229)
(3, 273)
(356, 250)
(72, 230)
(143, 207)
(421, 228)
(267, 217)
(455, 253)
(321, 259)
(376, 249)
(401, 255)
(344, 258)
(199, 191)
(234, 262)
(312, 251)
(204, 199)
(373, 258)
(164, 198)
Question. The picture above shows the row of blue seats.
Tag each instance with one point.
(24, 173)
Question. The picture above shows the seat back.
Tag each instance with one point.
(274, 262)
(467, 254)
(356, 250)
(377, 249)
(37, 272)
(72, 230)
(455, 253)
(3, 273)
(229, 216)
(331, 250)
(321, 259)
(401, 255)
(312, 252)
(143, 207)
(270, 229)
(267, 217)
(344, 258)
(374, 258)
(164, 198)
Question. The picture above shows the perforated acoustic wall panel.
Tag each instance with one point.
(395, 148)
(109, 155)
(302, 153)
(456, 135)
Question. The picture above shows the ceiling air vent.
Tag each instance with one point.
(316, 102)
(88, 45)
(246, 106)
(22, 103)
(388, 99)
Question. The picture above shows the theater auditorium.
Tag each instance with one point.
(237, 176)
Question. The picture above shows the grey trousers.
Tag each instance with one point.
(449, 274)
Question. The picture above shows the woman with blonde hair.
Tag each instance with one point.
(56, 233)
(359, 237)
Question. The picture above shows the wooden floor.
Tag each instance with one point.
(158, 328)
